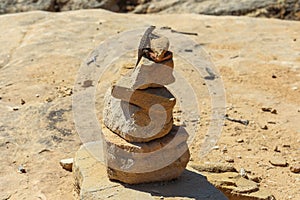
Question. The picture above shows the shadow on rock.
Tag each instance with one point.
(189, 185)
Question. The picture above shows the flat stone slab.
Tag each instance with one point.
(145, 98)
(228, 180)
(92, 182)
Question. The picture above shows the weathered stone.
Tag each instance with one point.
(278, 161)
(295, 168)
(67, 164)
(91, 178)
(134, 123)
(254, 178)
(149, 75)
(158, 160)
(236, 187)
(170, 172)
(92, 182)
(13, 6)
(263, 8)
(64, 5)
(145, 98)
(213, 167)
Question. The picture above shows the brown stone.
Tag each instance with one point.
(278, 161)
(92, 182)
(236, 187)
(158, 160)
(295, 168)
(91, 179)
(133, 123)
(67, 164)
(149, 75)
(170, 172)
(145, 98)
(213, 167)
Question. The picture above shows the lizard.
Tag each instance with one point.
(144, 43)
(157, 53)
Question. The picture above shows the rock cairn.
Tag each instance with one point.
(142, 144)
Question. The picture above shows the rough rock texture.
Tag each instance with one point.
(149, 74)
(134, 123)
(170, 172)
(13, 6)
(213, 7)
(286, 9)
(268, 8)
(93, 183)
(41, 53)
(67, 163)
(139, 107)
(162, 160)
(145, 98)
(148, 150)
(236, 187)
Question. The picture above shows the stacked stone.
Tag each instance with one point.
(142, 144)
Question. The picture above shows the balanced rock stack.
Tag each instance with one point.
(142, 144)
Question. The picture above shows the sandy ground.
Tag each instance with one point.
(256, 71)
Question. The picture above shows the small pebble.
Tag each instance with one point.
(276, 149)
(224, 150)
(22, 102)
(286, 145)
(240, 140)
(21, 169)
(295, 168)
(15, 108)
(243, 172)
(254, 178)
(230, 160)
(278, 161)
(48, 99)
(265, 127)
(266, 109)
(216, 148)
(264, 148)
(37, 95)
(67, 164)
(274, 111)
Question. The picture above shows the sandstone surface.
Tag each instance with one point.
(93, 182)
(41, 53)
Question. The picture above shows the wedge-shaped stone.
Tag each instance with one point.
(149, 75)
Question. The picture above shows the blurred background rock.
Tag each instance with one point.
(281, 9)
